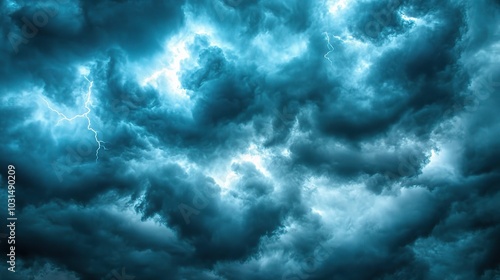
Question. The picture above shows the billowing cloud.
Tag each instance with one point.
(252, 139)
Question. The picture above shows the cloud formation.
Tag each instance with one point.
(253, 139)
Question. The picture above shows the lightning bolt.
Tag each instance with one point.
(330, 47)
(88, 103)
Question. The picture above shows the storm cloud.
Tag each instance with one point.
(252, 139)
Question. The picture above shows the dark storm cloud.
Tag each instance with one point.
(219, 230)
(351, 162)
(282, 155)
(221, 93)
(76, 32)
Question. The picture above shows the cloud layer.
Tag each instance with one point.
(253, 139)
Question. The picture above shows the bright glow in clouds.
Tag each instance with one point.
(440, 163)
(224, 175)
(279, 50)
(225, 178)
(337, 6)
(166, 76)
(407, 18)
(84, 71)
(255, 159)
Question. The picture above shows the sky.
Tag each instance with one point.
(251, 139)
